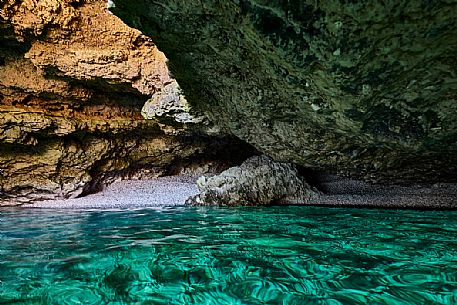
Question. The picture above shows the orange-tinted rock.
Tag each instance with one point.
(73, 80)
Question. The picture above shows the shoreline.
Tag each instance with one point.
(172, 191)
(344, 192)
(155, 192)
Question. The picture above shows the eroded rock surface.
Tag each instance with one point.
(364, 88)
(258, 181)
(73, 80)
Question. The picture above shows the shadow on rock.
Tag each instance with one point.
(258, 181)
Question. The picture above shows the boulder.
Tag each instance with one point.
(258, 181)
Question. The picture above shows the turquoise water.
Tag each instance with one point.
(275, 255)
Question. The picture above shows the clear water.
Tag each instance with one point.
(278, 255)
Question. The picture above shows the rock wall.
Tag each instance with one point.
(73, 80)
(367, 89)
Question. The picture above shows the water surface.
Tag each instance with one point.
(274, 255)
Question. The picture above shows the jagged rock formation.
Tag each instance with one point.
(258, 181)
(364, 88)
(73, 80)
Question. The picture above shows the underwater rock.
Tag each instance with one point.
(366, 89)
(258, 181)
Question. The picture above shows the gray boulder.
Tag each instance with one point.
(258, 181)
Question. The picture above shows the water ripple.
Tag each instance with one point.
(276, 255)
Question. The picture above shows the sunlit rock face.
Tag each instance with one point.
(364, 88)
(73, 81)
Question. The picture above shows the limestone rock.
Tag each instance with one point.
(73, 80)
(169, 104)
(258, 181)
(364, 88)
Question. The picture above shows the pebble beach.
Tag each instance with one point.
(157, 192)
(174, 190)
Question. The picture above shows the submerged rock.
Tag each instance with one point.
(364, 88)
(258, 181)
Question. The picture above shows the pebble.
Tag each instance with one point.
(174, 190)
